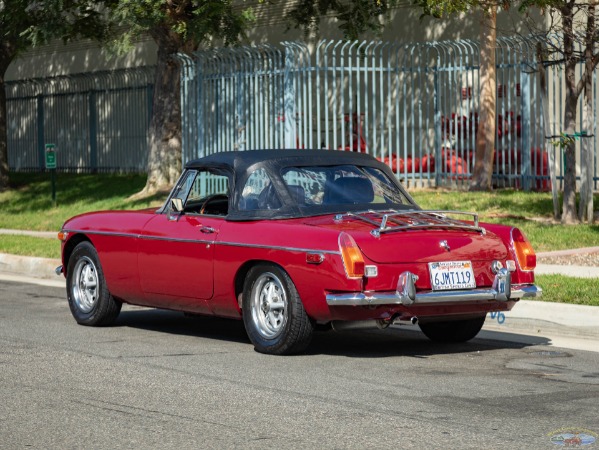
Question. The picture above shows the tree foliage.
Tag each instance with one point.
(193, 21)
(176, 27)
(575, 22)
(355, 17)
(25, 24)
(444, 8)
(485, 139)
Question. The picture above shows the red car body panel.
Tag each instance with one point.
(174, 265)
(197, 262)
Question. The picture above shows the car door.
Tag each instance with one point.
(176, 249)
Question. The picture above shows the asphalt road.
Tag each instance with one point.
(161, 380)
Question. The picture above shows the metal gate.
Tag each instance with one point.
(414, 106)
(98, 121)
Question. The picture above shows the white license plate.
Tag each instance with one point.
(449, 275)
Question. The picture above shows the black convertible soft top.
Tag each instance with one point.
(240, 165)
(241, 161)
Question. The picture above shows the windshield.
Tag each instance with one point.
(342, 185)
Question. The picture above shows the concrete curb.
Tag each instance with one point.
(40, 234)
(29, 266)
(547, 318)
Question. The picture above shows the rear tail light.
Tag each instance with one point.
(351, 255)
(527, 259)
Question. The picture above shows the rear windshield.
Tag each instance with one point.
(341, 185)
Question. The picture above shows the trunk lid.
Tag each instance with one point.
(409, 239)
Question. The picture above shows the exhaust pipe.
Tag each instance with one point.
(350, 325)
(406, 322)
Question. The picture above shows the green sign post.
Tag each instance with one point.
(51, 166)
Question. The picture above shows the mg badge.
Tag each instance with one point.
(445, 245)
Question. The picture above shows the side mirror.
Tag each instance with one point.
(177, 205)
(176, 209)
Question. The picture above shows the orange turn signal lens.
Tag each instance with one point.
(527, 259)
(351, 255)
(62, 235)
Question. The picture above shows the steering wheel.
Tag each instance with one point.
(211, 198)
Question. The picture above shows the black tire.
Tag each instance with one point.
(284, 328)
(89, 299)
(453, 331)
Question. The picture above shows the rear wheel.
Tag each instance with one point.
(89, 299)
(454, 330)
(273, 314)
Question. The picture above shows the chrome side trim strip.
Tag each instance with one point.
(200, 241)
(102, 233)
(274, 247)
(161, 238)
(140, 236)
(428, 298)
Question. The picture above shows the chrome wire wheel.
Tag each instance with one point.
(273, 314)
(84, 286)
(269, 306)
(90, 301)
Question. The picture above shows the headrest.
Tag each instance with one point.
(351, 190)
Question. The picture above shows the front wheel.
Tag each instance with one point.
(89, 299)
(454, 330)
(273, 314)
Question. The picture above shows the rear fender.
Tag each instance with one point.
(68, 246)
(504, 232)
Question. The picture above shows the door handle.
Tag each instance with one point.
(207, 230)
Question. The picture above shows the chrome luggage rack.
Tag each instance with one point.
(394, 220)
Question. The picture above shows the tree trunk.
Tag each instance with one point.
(485, 137)
(550, 149)
(6, 56)
(569, 202)
(572, 94)
(587, 163)
(164, 136)
(3, 139)
(587, 160)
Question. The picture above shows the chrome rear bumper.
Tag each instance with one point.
(406, 294)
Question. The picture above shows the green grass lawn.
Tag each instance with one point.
(562, 289)
(529, 211)
(30, 246)
(28, 206)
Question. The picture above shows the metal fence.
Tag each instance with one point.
(98, 121)
(414, 106)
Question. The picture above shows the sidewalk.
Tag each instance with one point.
(531, 322)
(568, 270)
(41, 234)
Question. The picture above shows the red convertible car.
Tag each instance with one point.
(290, 239)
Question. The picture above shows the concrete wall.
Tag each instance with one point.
(78, 57)
(404, 25)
